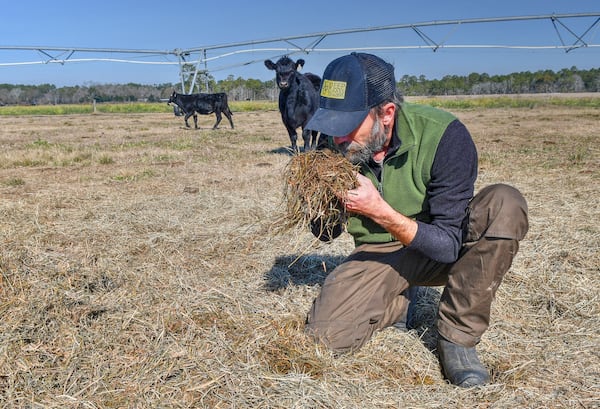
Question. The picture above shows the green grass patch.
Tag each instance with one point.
(120, 108)
(39, 143)
(163, 158)
(134, 108)
(132, 177)
(82, 157)
(88, 108)
(46, 110)
(580, 156)
(249, 106)
(105, 160)
(14, 182)
(508, 101)
(28, 162)
(515, 101)
(178, 144)
(42, 144)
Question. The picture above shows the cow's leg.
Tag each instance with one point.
(219, 118)
(196, 120)
(323, 141)
(293, 138)
(228, 115)
(306, 134)
(313, 141)
(186, 117)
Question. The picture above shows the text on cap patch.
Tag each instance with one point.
(333, 89)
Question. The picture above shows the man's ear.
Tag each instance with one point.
(389, 113)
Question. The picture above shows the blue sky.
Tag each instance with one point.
(166, 25)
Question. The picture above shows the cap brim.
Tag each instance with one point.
(335, 123)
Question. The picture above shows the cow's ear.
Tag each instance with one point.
(299, 63)
(269, 64)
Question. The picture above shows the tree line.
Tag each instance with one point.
(238, 89)
(544, 81)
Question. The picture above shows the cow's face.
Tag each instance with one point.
(285, 68)
(172, 97)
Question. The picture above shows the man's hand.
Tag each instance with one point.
(365, 200)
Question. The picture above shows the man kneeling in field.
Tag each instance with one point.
(413, 217)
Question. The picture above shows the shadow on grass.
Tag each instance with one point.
(308, 270)
(423, 315)
(284, 150)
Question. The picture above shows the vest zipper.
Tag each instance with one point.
(379, 180)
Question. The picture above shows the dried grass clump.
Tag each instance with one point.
(315, 181)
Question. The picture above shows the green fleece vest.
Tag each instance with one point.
(406, 174)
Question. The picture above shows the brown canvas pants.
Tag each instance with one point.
(365, 292)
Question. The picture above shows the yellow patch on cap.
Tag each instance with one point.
(333, 89)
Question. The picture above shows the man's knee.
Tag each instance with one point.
(339, 337)
(499, 211)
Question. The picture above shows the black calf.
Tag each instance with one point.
(203, 104)
(298, 98)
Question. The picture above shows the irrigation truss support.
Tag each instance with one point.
(194, 61)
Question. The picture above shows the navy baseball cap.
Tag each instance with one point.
(351, 86)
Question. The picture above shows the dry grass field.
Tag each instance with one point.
(139, 269)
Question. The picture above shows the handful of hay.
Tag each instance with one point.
(313, 182)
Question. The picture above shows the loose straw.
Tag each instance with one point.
(314, 183)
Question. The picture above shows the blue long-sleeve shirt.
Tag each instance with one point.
(453, 175)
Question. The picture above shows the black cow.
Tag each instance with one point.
(203, 104)
(298, 98)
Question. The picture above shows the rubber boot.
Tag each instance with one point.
(461, 365)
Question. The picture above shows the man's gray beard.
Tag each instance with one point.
(358, 153)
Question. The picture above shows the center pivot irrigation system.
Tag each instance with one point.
(194, 61)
